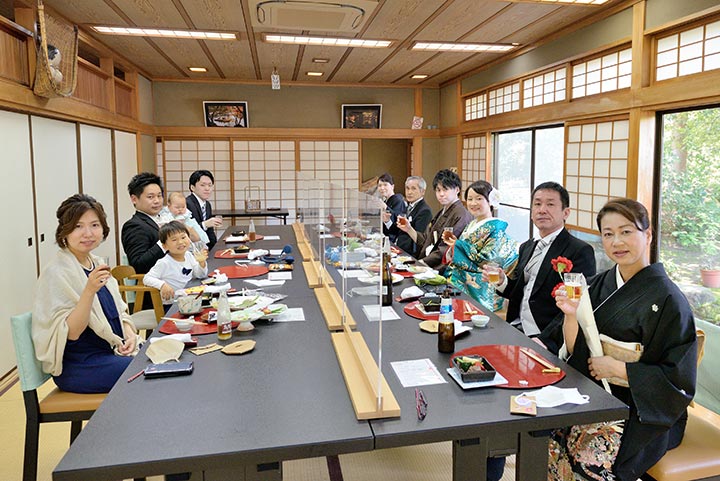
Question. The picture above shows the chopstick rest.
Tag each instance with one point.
(200, 350)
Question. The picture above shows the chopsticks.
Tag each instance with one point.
(183, 320)
(549, 368)
(469, 308)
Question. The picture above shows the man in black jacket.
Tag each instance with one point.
(140, 233)
(532, 307)
(418, 212)
(198, 203)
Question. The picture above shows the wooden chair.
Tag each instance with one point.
(58, 406)
(143, 319)
(698, 455)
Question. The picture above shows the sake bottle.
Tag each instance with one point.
(446, 325)
(251, 231)
(224, 324)
(387, 291)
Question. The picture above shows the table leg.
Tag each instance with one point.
(470, 459)
(531, 463)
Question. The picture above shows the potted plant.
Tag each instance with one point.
(710, 265)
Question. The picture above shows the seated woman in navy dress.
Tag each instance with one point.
(634, 302)
(82, 332)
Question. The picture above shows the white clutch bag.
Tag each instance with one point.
(622, 351)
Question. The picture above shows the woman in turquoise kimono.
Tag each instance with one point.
(483, 240)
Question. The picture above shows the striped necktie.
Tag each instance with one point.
(537, 256)
(204, 214)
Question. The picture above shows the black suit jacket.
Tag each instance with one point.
(542, 304)
(419, 216)
(193, 206)
(139, 239)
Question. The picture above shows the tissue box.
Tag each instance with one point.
(487, 373)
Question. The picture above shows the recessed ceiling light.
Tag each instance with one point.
(158, 32)
(325, 41)
(419, 76)
(463, 47)
(197, 69)
(320, 60)
(314, 74)
(567, 2)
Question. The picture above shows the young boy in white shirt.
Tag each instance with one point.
(173, 271)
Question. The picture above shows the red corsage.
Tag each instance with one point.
(562, 264)
(560, 285)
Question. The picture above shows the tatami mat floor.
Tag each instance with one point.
(429, 462)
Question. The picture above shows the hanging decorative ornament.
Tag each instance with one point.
(275, 79)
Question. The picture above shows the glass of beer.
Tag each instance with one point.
(402, 220)
(573, 284)
(493, 272)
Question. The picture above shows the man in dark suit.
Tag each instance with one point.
(430, 244)
(532, 307)
(140, 233)
(418, 213)
(198, 203)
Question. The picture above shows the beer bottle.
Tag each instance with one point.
(387, 291)
(446, 325)
(224, 323)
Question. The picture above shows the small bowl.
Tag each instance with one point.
(183, 325)
(479, 320)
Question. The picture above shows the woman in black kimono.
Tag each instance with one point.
(634, 302)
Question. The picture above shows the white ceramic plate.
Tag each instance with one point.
(243, 302)
(397, 278)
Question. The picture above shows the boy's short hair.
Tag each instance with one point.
(172, 227)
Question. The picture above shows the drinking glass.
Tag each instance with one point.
(199, 250)
(573, 284)
(447, 232)
(493, 272)
(103, 261)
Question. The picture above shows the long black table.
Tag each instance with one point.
(238, 417)
(478, 421)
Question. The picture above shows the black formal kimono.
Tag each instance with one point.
(649, 309)
(193, 205)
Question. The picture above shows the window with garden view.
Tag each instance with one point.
(689, 217)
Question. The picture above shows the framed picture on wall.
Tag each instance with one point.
(225, 114)
(358, 116)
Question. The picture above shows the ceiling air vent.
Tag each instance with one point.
(311, 15)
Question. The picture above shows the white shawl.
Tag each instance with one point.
(56, 295)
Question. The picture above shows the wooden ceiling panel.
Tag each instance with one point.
(234, 57)
(215, 14)
(281, 56)
(141, 53)
(84, 12)
(158, 13)
(462, 17)
(185, 53)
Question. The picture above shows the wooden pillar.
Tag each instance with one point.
(107, 65)
(26, 17)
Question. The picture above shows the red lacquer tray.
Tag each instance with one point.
(169, 327)
(258, 237)
(224, 254)
(243, 271)
(459, 309)
(514, 365)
